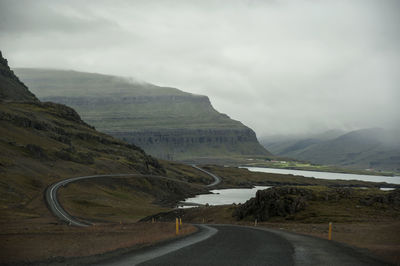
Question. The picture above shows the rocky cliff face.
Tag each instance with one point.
(180, 144)
(11, 88)
(165, 122)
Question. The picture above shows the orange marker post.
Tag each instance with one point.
(330, 231)
(177, 226)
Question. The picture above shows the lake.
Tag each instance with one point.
(241, 195)
(225, 196)
(328, 175)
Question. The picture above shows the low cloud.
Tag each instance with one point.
(280, 67)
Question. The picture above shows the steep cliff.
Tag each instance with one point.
(12, 89)
(165, 122)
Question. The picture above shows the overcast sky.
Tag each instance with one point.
(280, 67)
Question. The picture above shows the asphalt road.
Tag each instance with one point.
(56, 208)
(217, 179)
(54, 204)
(239, 245)
(227, 244)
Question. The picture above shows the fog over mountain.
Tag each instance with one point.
(280, 67)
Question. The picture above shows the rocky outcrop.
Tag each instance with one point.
(282, 201)
(392, 199)
(11, 88)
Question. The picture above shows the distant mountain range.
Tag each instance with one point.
(373, 148)
(166, 122)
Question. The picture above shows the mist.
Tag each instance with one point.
(280, 67)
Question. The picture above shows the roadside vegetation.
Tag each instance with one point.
(47, 244)
(365, 218)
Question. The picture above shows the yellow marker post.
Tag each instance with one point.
(177, 226)
(330, 231)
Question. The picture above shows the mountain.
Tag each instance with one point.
(374, 148)
(12, 89)
(166, 122)
(283, 144)
(44, 142)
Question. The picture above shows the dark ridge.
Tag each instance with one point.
(11, 88)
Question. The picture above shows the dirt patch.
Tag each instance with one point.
(60, 242)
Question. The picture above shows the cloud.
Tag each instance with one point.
(278, 66)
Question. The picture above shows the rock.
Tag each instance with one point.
(281, 201)
(11, 88)
(392, 199)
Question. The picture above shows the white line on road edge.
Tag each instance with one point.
(135, 259)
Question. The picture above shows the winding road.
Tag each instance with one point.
(240, 245)
(226, 244)
(217, 179)
(56, 208)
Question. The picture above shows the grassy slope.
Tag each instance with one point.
(40, 144)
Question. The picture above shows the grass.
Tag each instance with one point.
(48, 245)
(51, 128)
(100, 202)
(285, 163)
(373, 227)
(325, 207)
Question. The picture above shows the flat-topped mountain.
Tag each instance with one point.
(166, 122)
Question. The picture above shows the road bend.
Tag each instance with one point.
(56, 208)
(240, 245)
(217, 179)
(227, 244)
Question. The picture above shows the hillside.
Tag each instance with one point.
(43, 142)
(367, 148)
(12, 89)
(165, 122)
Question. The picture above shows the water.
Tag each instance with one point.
(226, 196)
(328, 175)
